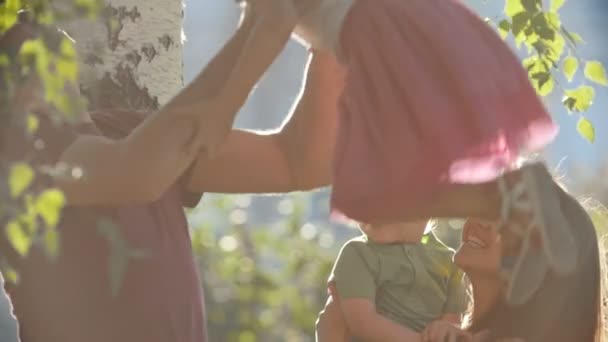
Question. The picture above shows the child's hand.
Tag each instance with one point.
(443, 331)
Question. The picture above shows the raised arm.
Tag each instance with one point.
(146, 163)
(298, 156)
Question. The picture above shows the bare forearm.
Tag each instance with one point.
(248, 162)
(152, 158)
(378, 328)
(212, 79)
(137, 169)
(308, 138)
(224, 86)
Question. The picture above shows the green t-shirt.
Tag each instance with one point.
(411, 284)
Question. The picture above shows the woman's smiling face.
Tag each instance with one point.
(480, 251)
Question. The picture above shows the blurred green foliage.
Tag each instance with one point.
(261, 283)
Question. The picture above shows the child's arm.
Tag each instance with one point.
(218, 93)
(330, 326)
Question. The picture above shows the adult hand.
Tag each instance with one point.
(484, 335)
(265, 27)
(443, 331)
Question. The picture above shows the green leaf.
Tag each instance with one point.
(19, 239)
(543, 83)
(556, 5)
(542, 28)
(532, 6)
(32, 123)
(555, 48)
(577, 38)
(533, 64)
(67, 48)
(51, 242)
(68, 69)
(512, 7)
(504, 26)
(425, 239)
(20, 177)
(10, 275)
(570, 66)
(595, 72)
(9, 15)
(520, 21)
(579, 99)
(546, 87)
(585, 129)
(574, 38)
(13, 5)
(247, 336)
(553, 20)
(49, 205)
(119, 253)
(118, 267)
(4, 61)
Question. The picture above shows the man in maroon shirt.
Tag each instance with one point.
(138, 173)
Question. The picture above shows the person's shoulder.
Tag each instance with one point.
(438, 250)
(117, 123)
(359, 242)
(358, 245)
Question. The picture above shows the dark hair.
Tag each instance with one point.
(565, 308)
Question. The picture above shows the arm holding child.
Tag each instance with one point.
(449, 326)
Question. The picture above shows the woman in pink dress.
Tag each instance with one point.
(434, 114)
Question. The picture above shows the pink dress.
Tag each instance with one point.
(433, 97)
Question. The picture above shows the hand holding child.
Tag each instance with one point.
(444, 331)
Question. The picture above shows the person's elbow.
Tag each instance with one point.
(306, 169)
(110, 175)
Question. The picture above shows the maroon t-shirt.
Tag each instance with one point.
(69, 300)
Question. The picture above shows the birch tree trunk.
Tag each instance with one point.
(132, 55)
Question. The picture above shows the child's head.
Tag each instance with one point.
(406, 232)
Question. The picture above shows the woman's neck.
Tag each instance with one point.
(486, 292)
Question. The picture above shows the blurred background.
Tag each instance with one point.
(264, 260)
